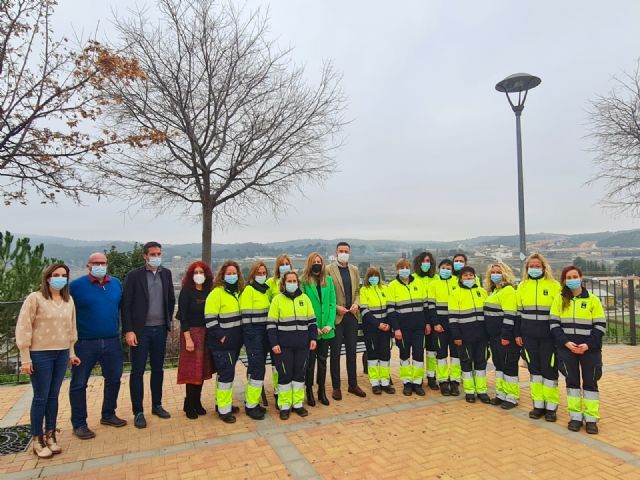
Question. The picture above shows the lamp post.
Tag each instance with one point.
(519, 83)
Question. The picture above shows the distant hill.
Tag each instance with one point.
(76, 251)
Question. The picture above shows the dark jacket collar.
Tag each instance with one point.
(262, 288)
(411, 279)
(293, 295)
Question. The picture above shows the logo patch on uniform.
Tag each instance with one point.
(301, 303)
(584, 305)
(415, 289)
(545, 292)
(383, 295)
(477, 293)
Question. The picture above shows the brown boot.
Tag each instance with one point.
(40, 447)
(52, 442)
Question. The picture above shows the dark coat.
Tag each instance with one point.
(135, 299)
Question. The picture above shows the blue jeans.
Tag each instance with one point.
(152, 344)
(49, 367)
(108, 353)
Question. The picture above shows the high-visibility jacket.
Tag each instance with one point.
(438, 297)
(223, 317)
(373, 305)
(500, 313)
(407, 304)
(424, 278)
(535, 297)
(254, 304)
(274, 287)
(583, 320)
(466, 313)
(291, 321)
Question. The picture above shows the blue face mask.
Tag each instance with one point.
(425, 266)
(231, 279)
(291, 287)
(58, 283)
(284, 269)
(374, 280)
(261, 279)
(573, 284)
(99, 271)
(457, 266)
(155, 262)
(535, 272)
(496, 278)
(404, 273)
(469, 283)
(445, 273)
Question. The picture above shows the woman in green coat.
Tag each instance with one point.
(318, 286)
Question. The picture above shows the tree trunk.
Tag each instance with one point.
(207, 232)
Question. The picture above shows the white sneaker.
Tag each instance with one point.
(40, 447)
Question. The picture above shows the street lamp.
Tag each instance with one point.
(519, 83)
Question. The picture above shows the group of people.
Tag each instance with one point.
(299, 321)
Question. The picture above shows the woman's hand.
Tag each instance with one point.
(27, 368)
(504, 342)
(189, 345)
(398, 335)
(573, 347)
(457, 343)
(438, 328)
(74, 361)
(312, 345)
(519, 341)
(277, 350)
(131, 339)
(326, 329)
(583, 347)
(320, 331)
(427, 329)
(223, 339)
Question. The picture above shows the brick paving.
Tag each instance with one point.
(377, 437)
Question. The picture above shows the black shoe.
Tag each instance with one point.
(261, 408)
(497, 401)
(311, 400)
(575, 425)
(432, 384)
(376, 389)
(484, 398)
(322, 396)
(454, 388)
(199, 408)
(537, 413)
(592, 428)
(113, 421)
(470, 397)
(254, 413)
(388, 389)
(284, 414)
(419, 390)
(160, 412)
(445, 389)
(188, 409)
(507, 405)
(227, 417)
(84, 433)
(550, 416)
(139, 420)
(407, 389)
(303, 412)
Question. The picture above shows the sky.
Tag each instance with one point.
(430, 151)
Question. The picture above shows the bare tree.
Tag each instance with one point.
(615, 131)
(242, 126)
(48, 91)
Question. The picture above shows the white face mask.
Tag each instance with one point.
(343, 257)
(199, 278)
(261, 279)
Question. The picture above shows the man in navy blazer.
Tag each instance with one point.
(148, 301)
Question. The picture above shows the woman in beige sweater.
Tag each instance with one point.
(45, 335)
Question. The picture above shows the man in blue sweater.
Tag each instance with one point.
(97, 299)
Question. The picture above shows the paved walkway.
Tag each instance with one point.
(388, 436)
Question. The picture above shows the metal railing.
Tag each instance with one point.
(618, 296)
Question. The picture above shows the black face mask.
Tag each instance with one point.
(316, 268)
